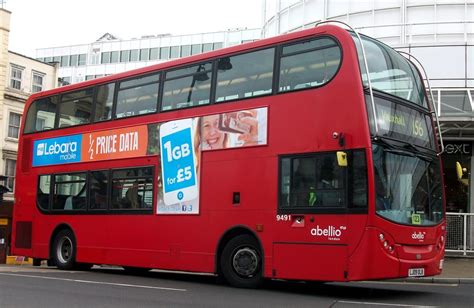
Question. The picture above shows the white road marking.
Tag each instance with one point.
(382, 304)
(96, 282)
(434, 284)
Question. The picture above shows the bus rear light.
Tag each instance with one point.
(385, 244)
(381, 237)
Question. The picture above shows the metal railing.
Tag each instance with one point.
(460, 233)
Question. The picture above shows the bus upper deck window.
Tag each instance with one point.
(308, 64)
(41, 115)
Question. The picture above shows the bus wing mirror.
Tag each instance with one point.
(460, 171)
(341, 158)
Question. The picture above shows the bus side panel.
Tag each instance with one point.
(371, 261)
(291, 261)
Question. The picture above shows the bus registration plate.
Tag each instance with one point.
(416, 272)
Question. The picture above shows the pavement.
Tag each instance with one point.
(456, 270)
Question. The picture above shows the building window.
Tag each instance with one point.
(195, 49)
(64, 81)
(15, 81)
(164, 53)
(115, 57)
(64, 61)
(82, 59)
(105, 58)
(455, 102)
(185, 50)
(174, 52)
(37, 84)
(134, 54)
(125, 56)
(74, 60)
(144, 54)
(14, 125)
(10, 167)
(207, 47)
(154, 53)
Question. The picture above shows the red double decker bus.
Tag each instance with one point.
(309, 156)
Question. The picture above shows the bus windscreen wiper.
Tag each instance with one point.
(417, 151)
(390, 147)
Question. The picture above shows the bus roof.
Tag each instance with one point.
(172, 64)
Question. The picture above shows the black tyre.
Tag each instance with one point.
(36, 262)
(241, 262)
(136, 270)
(64, 250)
(83, 266)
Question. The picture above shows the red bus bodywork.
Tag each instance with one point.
(294, 246)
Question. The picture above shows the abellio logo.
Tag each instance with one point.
(332, 233)
(57, 150)
(418, 235)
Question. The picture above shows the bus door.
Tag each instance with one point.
(313, 229)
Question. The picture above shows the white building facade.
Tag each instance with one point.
(109, 55)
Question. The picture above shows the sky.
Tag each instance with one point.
(53, 23)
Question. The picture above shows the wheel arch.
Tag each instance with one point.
(230, 234)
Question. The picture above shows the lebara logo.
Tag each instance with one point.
(418, 235)
(57, 150)
(40, 149)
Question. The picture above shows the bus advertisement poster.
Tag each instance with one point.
(178, 168)
(178, 143)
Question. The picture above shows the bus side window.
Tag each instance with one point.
(103, 102)
(358, 180)
(137, 96)
(41, 115)
(98, 190)
(70, 191)
(187, 87)
(311, 182)
(75, 108)
(42, 194)
(245, 75)
(132, 189)
(308, 64)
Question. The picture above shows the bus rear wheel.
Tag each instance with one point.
(64, 250)
(241, 262)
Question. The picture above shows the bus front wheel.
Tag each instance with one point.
(64, 250)
(241, 262)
